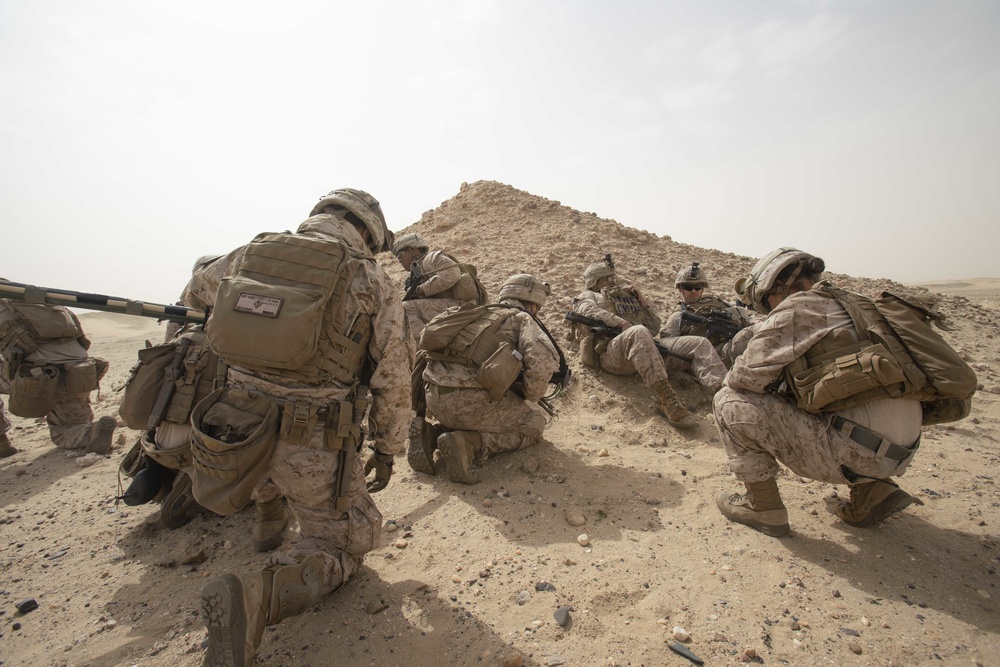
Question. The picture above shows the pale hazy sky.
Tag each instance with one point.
(136, 136)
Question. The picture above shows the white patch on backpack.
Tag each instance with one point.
(254, 304)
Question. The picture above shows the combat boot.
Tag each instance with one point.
(268, 532)
(671, 406)
(236, 609)
(418, 454)
(6, 449)
(873, 501)
(459, 448)
(99, 441)
(178, 506)
(760, 508)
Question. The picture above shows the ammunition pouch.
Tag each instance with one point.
(81, 378)
(234, 434)
(33, 390)
(848, 379)
(500, 370)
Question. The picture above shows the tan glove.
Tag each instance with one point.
(382, 465)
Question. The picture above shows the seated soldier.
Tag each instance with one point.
(48, 373)
(483, 417)
(622, 307)
(691, 283)
(437, 282)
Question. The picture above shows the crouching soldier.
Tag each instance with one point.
(486, 368)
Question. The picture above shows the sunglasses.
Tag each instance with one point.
(691, 288)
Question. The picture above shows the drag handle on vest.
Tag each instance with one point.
(599, 328)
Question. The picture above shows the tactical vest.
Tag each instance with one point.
(898, 356)
(284, 312)
(623, 303)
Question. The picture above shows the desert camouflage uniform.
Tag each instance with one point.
(633, 350)
(434, 295)
(456, 399)
(70, 422)
(758, 427)
(306, 474)
(724, 349)
(4, 422)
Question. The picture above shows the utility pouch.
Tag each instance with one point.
(81, 378)
(159, 449)
(234, 435)
(499, 371)
(298, 420)
(849, 375)
(33, 391)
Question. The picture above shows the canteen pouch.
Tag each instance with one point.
(234, 434)
(33, 391)
(81, 378)
(499, 371)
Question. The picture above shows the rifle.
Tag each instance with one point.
(718, 323)
(102, 302)
(413, 281)
(599, 328)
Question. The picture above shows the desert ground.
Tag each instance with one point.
(472, 575)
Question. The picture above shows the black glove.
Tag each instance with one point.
(382, 465)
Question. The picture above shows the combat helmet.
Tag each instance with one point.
(760, 283)
(525, 287)
(409, 241)
(692, 275)
(365, 207)
(595, 272)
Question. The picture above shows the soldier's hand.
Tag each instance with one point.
(382, 465)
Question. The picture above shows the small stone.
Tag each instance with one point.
(865, 622)
(121, 439)
(523, 597)
(456, 579)
(15, 626)
(561, 615)
(514, 661)
(583, 539)
(529, 465)
(719, 637)
(375, 606)
(194, 557)
(854, 646)
(24, 606)
(543, 586)
(727, 568)
(487, 502)
(680, 634)
(401, 544)
(583, 449)
(576, 519)
(985, 595)
(228, 544)
(836, 594)
(850, 632)
(165, 562)
(603, 453)
(390, 528)
(747, 655)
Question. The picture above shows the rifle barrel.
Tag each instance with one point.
(101, 302)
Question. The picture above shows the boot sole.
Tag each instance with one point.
(897, 501)
(225, 618)
(455, 467)
(179, 506)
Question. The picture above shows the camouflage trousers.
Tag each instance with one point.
(4, 422)
(705, 362)
(421, 311)
(758, 430)
(634, 351)
(505, 425)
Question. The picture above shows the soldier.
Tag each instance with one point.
(437, 282)
(633, 350)
(308, 406)
(862, 445)
(483, 414)
(691, 283)
(47, 372)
